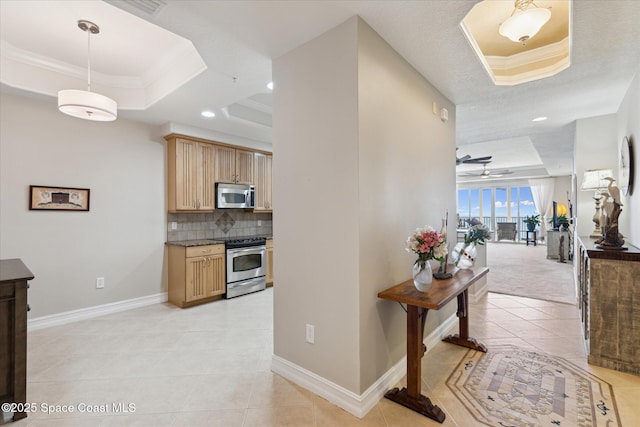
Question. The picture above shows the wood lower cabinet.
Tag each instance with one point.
(191, 184)
(13, 333)
(269, 262)
(263, 165)
(609, 301)
(233, 165)
(196, 274)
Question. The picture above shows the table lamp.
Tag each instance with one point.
(593, 180)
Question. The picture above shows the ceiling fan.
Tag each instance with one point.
(475, 160)
(487, 173)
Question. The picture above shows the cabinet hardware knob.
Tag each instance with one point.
(28, 307)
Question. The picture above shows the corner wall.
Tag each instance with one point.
(121, 238)
(360, 161)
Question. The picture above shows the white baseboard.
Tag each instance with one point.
(91, 312)
(355, 404)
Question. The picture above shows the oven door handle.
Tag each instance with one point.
(236, 251)
(246, 283)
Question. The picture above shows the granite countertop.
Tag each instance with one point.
(204, 242)
(200, 242)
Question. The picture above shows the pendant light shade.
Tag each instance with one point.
(524, 22)
(86, 104)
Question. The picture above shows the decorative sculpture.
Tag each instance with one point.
(612, 206)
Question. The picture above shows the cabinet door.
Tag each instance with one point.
(225, 161)
(269, 185)
(260, 175)
(197, 278)
(217, 284)
(205, 177)
(185, 179)
(244, 167)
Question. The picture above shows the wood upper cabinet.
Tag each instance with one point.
(196, 274)
(262, 174)
(191, 183)
(233, 165)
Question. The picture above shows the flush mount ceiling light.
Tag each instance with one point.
(86, 104)
(208, 114)
(524, 22)
(539, 119)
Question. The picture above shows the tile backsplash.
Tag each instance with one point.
(220, 224)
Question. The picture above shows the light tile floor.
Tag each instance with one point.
(209, 366)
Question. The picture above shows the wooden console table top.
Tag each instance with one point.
(441, 293)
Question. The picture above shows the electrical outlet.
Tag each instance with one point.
(174, 225)
(259, 223)
(99, 282)
(311, 339)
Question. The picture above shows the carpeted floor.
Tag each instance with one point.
(510, 386)
(517, 269)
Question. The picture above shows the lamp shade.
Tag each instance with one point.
(87, 105)
(594, 179)
(525, 24)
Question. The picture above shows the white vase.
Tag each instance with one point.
(464, 255)
(422, 276)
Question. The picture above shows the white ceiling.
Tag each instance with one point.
(237, 41)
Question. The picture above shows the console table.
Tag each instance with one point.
(418, 305)
(13, 333)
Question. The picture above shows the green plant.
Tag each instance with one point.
(532, 220)
(561, 219)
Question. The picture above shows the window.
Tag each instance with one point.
(500, 204)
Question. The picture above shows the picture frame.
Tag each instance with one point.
(47, 198)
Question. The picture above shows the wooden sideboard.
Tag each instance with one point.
(609, 298)
(13, 333)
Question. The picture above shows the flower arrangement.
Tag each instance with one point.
(428, 244)
(477, 234)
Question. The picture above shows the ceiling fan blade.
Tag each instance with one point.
(462, 159)
(481, 158)
(477, 162)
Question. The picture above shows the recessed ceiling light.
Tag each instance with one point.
(270, 85)
(540, 119)
(208, 114)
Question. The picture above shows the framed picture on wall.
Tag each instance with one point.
(58, 198)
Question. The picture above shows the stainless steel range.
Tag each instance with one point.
(246, 265)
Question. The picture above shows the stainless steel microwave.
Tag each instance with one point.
(235, 196)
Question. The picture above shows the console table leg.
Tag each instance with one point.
(463, 338)
(411, 396)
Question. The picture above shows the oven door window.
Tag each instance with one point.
(247, 262)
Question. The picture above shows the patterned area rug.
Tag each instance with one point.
(512, 387)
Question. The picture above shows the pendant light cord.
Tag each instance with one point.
(88, 60)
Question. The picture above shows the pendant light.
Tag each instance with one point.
(524, 22)
(86, 104)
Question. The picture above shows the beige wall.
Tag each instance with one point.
(629, 126)
(406, 179)
(359, 163)
(121, 238)
(595, 148)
